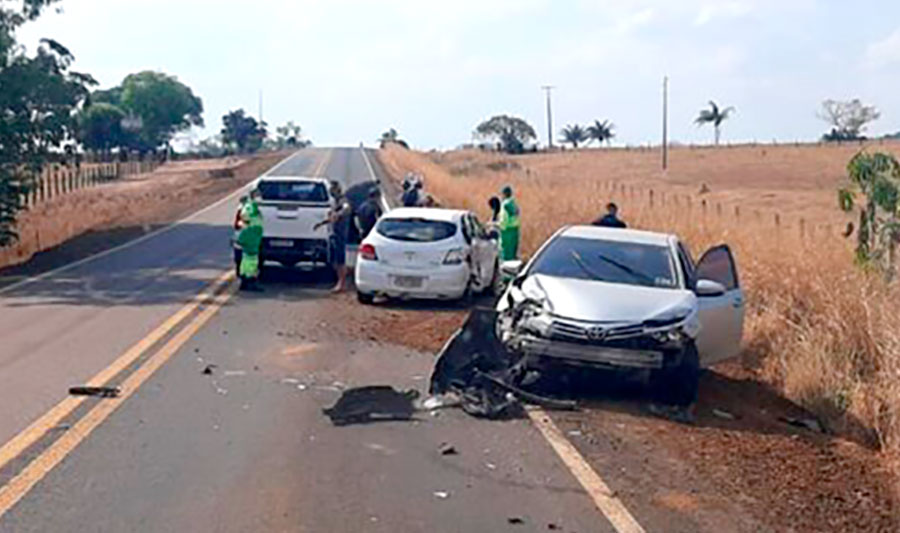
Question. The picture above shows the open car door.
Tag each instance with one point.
(721, 315)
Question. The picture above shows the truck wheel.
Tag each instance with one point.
(678, 385)
(365, 298)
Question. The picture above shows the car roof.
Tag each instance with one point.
(428, 213)
(618, 235)
(293, 178)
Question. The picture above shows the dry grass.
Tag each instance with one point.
(816, 327)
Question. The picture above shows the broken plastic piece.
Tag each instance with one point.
(369, 404)
(101, 392)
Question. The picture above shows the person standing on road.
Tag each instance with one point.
(412, 196)
(249, 240)
(368, 213)
(509, 224)
(611, 218)
(339, 218)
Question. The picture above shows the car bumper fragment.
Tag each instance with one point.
(585, 353)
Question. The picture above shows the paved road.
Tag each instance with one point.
(246, 448)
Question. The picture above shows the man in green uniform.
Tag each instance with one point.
(509, 225)
(250, 241)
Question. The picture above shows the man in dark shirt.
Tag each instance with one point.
(368, 213)
(611, 218)
(339, 218)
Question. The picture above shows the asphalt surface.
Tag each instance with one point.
(246, 448)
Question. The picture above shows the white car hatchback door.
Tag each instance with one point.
(484, 252)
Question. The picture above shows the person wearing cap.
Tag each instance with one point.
(249, 240)
(509, 223)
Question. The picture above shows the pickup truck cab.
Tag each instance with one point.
(291, 208)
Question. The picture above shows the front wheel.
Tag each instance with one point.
(365, 298)
(678, 385)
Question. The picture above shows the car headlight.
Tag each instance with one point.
(538, 322)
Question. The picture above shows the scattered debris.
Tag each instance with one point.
(675, 413)
(723, 414)
(290, 381)
(490, 466)
(301, 386)
(438, 401)
(100, 392)
(515, 520)
(575, 433)
(232, 373)
(208, 369)
(373, 403)
(475, 365)
(448, 449)
(552, 526)
(441, 494)
(806, 423)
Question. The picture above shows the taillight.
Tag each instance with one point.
(367, 252)
(455, 256)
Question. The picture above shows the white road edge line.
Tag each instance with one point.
(140, 239)
(604, 498)
(384, 203)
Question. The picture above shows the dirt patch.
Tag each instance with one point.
(119, 211)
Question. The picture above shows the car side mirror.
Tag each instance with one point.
(511, 269)
(708, 287)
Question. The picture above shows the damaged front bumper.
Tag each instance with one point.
(595, 355)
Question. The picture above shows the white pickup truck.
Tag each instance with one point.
(291, 207)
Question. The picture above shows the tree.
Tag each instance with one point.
(601, 131)
(38, 97)
(714, 116)
(163, 104)
(100, 127)
(511, 132)
(574, 134)
(847, 118)
(243, 131)
(288, 136)
(877, 178)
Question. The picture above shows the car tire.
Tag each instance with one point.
(365, 298)
(678, 385)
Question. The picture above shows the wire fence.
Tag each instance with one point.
(56, 179)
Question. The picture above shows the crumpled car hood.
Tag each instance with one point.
(598, 301)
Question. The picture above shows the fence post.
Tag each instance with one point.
(737, 212)
(718, 209)
(651, 197)
(802, 229)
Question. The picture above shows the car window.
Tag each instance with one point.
(293, 191)
(717, 264)
(611, 261)
(415, 229)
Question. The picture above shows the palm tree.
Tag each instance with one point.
(601, 131)
(574, 134)
(715, 116)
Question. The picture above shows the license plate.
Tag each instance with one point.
(409, 282)
(276, 243)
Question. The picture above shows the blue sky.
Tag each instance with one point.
(346, 70)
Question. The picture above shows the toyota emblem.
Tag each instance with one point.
(596, 333)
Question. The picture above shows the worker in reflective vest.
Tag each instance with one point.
(509, 223)
(250, 241)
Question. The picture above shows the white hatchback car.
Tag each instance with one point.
(428, 253)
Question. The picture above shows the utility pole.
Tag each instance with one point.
(547, 89)
(665, 124)
(260, 107)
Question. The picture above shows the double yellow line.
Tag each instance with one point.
(207, 302)
(202, 308)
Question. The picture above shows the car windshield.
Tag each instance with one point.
(611, 261)
(293, 191)
(416, 229)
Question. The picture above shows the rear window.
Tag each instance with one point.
(293, 191)
(415, 229)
